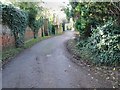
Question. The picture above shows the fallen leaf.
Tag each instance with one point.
(113, 86)
(114, 69)
(114, 78)
(89, 74)
(92, 77)
(69, 66)
(108, 78)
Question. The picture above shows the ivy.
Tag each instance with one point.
(17, 21)
(104, 47)
(50, 24)
(98, 24)
(36, 26)
(34, 15)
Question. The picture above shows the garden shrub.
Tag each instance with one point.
(50, 27)
(104, 44)
(17, 21)
(53, 29)
(36, 26)
(98, 24)
(35, 16)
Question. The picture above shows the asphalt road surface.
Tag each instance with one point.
(47, 65)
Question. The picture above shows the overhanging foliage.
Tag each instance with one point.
(17, 21)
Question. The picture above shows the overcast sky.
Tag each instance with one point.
(53, 5)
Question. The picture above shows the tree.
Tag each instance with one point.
(36, 26)
(17, 21)
(67, 12)
(99, 26)
(34, 15)
(91, 14)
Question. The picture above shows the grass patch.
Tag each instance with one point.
(7, 54)
(31, 42)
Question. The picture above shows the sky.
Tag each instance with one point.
(54, 6)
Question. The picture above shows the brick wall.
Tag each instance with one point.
(6, 41)
(7, 38)
(28, 34)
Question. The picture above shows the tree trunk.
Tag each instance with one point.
(88, 31)
(17, 40)
(34, 35)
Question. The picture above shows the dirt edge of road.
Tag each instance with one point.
(110, 74)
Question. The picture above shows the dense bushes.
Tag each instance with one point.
(17, 21)
(104, 45)
(51, 28)
(36, 26)
(99, 28)
(35, 19)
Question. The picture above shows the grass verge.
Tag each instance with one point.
(10, 53)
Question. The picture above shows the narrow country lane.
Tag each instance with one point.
(46, 65)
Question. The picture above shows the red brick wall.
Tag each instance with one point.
(40, 32)
(7, 39)
(28, 34)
